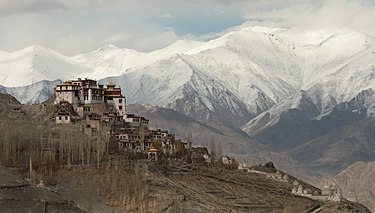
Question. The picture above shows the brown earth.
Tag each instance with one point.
(123, 187)
(357, 183)
(178, 187)
(18, 195)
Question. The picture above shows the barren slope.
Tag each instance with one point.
(357, 183)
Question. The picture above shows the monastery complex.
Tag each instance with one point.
(102, 108)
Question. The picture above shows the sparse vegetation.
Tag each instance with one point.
(82, 167)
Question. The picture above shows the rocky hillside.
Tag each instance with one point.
(357, 183)
(293, 94)
(177, 187)
(18, 195)
(326, 143)
(231, 140)
(120, 184)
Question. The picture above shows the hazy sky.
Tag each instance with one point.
(73, 26)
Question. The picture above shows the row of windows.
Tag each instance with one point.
(148, 145)
(66, 118)
(68, 88)
(96, 98)
(122, 137)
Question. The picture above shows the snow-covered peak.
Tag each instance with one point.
(179, 47)
(265, 29)
(110, 47)
(113, 61)
(33, 64)
(300, 58)
(246, 40)
(260, 66)
(30, 51)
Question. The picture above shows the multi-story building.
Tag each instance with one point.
(103, 108)
(85, 94)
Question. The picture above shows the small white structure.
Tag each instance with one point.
(242, 166)
(300, 189)
(207, 158)
(295, 183)
(67, 92)
(286, 177)
(327, 190)
(294, 190)
(40, 184)
(278, 175)
(335, 197)
(112, 95)
(137, 121)
(63, 119)
(152, 154)
(306, 191)
(226, 160)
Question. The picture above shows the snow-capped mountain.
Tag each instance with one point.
(289, 90)
(32, 94)
(34, 64)
(231, 77)
(255, 72)
(335, 70)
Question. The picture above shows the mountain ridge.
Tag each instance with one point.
(261, 80)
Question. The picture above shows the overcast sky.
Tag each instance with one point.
(74, 26)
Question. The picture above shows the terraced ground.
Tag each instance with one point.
(178, 187)
(222, 190)
(18, 195)
(120, 185)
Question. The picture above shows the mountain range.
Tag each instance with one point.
(308, 96)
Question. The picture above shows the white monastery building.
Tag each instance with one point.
(85, 94)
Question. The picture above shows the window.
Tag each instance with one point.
(59, 117)
(120, 107)
(66, 117)
(120, 101)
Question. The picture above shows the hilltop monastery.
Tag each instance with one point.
(103, 109)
